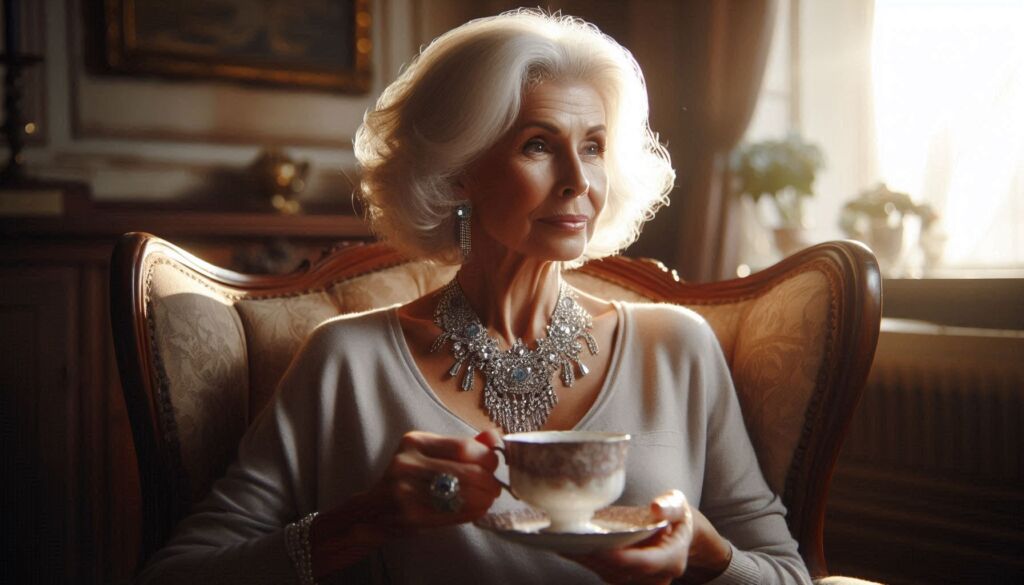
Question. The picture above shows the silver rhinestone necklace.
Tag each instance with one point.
(518, 394)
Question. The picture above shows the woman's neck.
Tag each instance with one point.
(514, 297)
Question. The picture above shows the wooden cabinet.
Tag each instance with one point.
(71, 497)
(39, 372)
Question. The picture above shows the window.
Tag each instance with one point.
(948, 80)
(923, 95)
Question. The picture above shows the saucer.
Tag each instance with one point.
(619, 526)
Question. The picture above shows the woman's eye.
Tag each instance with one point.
(593, 149)
(534, 146)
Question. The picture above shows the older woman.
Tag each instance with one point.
(515, 146)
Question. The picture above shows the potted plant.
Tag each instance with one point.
(783, 170)
(878, 217)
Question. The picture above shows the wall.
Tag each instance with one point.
(149, 139)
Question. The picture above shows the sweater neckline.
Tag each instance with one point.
(603, 396)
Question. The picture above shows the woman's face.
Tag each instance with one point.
(538, 191)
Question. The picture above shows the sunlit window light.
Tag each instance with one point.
(949, 110)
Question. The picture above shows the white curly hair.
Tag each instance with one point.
(463, 92)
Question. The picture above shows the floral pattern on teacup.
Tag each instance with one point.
(576, 462)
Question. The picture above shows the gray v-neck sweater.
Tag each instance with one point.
(354, 390)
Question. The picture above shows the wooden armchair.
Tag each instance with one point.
(200, 350)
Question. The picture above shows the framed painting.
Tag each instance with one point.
(320, 44)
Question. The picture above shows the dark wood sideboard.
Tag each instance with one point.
(70, 486)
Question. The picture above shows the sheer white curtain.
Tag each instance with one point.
(948, 78)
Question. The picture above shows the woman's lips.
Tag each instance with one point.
(566, 222)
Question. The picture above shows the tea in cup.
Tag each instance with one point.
(567, 474)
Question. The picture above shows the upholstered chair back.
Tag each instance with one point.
(201, 351)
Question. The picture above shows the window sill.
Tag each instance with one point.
(986, 303)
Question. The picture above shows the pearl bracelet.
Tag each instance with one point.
(296, 539)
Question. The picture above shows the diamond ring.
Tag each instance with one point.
(444, 493)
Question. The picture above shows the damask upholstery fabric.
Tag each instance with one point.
(775, 365)
(397, 285)
(773, 344)
(274, 329)
(726, 320)
(203, 373)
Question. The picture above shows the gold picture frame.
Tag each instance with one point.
(317, 44)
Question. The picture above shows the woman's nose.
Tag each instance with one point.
(576, 184)
(576, 191)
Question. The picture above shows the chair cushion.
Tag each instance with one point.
(200, 364)
(779, 348)
(275, 327)
(392, 286)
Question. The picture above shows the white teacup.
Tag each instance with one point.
(568, 474)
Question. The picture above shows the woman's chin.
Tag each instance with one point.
(562, 252)
(543, 249)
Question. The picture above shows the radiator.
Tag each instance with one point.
(946, 401)
(930, 483)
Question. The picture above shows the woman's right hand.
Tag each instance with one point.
(405, 488)
(400, 502)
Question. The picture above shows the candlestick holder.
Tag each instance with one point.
(14, 63)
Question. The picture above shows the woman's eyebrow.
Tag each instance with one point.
(555, 129)
(546, 126)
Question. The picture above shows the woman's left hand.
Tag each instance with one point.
(689, 544)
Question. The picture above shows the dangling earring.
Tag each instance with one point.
(462, 214)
